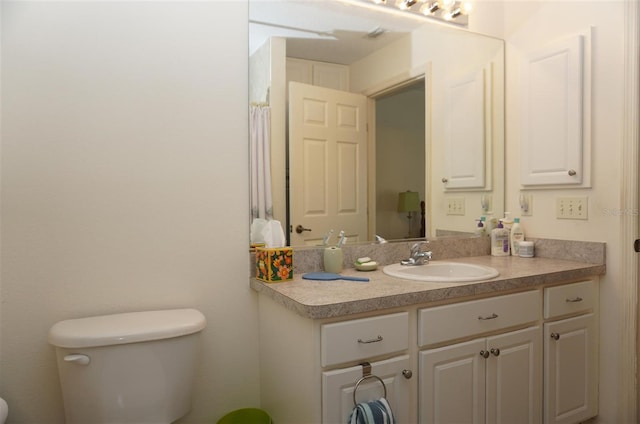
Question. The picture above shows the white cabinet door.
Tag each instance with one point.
(338, 386)
(492, 380)
(466, 143)
(514, 377)
(452, 384)
(552, 118)
(570, 370)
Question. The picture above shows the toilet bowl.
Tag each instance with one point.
(128, 368)
(4, 411)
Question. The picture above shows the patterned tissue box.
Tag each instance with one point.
(274, 265)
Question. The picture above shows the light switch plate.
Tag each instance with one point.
(571, 207)
(455, 206)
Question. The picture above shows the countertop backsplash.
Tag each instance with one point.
(309, 259)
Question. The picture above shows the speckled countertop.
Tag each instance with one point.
(328, 299)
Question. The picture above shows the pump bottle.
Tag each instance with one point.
(500, 241)
(517, 235)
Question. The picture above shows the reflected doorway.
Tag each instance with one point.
(400, 164)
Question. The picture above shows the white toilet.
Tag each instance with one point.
(4, 411)
(128, 368)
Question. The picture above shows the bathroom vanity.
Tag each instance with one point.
(521, 347)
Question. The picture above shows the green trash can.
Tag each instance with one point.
(246, 416)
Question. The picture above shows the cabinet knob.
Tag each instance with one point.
(555, 336)
(495, 351)
(407, 374)
(444, 180)
(484, 354)
(572, 173)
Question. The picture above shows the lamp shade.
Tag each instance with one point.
(408, 201)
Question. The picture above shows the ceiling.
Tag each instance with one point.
(333, 31)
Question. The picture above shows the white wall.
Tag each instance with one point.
(530, 25)
(124, 185)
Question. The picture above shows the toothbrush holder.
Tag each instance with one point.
(333, 259)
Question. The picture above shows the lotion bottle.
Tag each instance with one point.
(500, 241)
(517, 235)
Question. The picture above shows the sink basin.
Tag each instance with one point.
(435, 271)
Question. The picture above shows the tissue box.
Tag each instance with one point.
(274, 265)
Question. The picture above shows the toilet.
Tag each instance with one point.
(4, 411)
(128, 368)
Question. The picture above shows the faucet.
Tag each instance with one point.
(380, 240)
(417, 257)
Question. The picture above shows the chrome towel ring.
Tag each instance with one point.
(366, 374)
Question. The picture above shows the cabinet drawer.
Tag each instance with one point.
(568, 299)
(465, 319)
(364, 338)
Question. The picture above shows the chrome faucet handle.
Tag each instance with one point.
(416, 247)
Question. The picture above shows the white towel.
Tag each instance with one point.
(374, 412)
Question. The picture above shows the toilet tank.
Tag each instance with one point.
(134, 367)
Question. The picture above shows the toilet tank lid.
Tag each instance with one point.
(125, 328)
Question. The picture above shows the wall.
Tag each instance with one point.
(530, 25)
(124, 185)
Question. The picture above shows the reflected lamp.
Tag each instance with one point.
(408, 202)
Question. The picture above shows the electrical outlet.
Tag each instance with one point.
(455, 206)
(571, 207)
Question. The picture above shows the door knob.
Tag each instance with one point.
(300, 229)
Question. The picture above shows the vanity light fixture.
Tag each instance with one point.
(452, 11)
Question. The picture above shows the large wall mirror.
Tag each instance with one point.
(352, 107)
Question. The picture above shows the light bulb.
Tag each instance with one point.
(429, 8)
(401, 4)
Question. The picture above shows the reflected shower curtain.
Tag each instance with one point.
(260, 145)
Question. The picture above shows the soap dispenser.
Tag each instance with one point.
(480, 230)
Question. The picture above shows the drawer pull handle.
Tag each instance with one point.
(492, 316)
(484, 354)
(376, 340)
(575, 299)
(555, 336)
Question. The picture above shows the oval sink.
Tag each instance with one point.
(441, 272)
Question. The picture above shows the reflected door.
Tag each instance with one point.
(327, 164)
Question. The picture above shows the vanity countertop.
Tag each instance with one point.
(330, 299)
